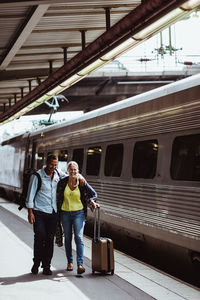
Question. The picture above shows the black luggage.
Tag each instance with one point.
(102, 250)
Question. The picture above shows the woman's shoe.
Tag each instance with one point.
(80, 269)
(70, 267)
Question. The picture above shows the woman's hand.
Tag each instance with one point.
(94, 204)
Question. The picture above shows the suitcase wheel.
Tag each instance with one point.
(93, 271)
(112, 272)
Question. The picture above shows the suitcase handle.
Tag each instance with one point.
(96, 222)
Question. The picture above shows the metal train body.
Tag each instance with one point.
(142, 156)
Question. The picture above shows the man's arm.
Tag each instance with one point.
(32, 188)
(80, 177)
(82, 180)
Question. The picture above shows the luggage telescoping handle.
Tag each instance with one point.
(96, 222)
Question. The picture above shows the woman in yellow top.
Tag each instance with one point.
(72, 203)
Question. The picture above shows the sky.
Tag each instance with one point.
(185, 36)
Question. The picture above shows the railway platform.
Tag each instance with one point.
(131, 280)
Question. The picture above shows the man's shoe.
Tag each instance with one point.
(70, 267)
(34, 269)
(80, 269)
(47, 271)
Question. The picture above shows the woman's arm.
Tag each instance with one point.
(92, 196)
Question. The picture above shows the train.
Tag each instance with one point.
(142, 156)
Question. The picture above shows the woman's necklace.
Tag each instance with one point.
(71, 188)
(72, 184)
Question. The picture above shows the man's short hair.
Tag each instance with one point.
(51, 157)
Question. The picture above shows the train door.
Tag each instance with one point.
(33, 152)
(30, 154)
(37, 157)
(27, 154)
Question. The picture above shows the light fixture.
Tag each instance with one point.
(111, 55)
(92, 67)
(70, 81)
(41, 100)
(191, 4)
(55, 91)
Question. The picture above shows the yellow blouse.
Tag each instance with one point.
(72, 199)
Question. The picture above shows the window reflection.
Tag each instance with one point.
(40, 160)
(93, 160)
(62, 160)
(113, 160)
(145, 159)
(185, 163)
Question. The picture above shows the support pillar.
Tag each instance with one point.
(15, 98)
(107, 10)
(22, 92)
(29, 85)
(83, 38)
(50, 67)
(64, 55)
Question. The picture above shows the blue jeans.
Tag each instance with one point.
(44, 231)
(73, 220)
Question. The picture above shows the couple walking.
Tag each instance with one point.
(62, 197)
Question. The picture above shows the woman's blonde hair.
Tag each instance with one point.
(72, 163)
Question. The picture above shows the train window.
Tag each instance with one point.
(40, 160)
(145, 159)
(113, 160)
(93, 160)
(185, 162)
(63, 155)
(62, 160)
(78, 157)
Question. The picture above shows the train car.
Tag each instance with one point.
(142, 156)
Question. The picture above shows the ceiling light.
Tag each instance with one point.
(55, 91)
(191, 4)
(70, 81)
(92, 67)
(129, 43)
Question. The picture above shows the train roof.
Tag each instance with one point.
(14, 139)
(162, 91)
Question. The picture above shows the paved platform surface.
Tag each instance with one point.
(132, 279)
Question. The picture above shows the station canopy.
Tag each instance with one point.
(46, 46)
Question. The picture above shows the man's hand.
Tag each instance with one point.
(31, 217)
(82, 180)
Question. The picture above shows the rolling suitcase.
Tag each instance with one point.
(102, 250)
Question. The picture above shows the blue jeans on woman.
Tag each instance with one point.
(73, 220)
